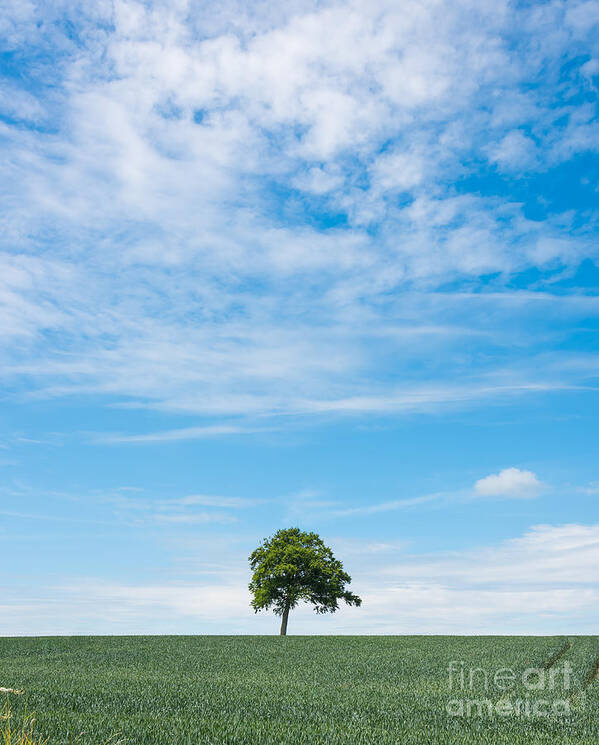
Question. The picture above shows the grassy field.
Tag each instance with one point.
(296, 690)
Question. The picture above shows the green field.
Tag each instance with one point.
(296, 690)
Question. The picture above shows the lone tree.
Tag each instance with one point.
(293, 566)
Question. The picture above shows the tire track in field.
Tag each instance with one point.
(578, 697)
(558, 654)
(567, 646)
(552, 660)
(593, 675)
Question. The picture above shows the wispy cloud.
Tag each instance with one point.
(196, 518)
(176, 435)
(592, 488)
(391, 506)
(180, 510)
(554, 555)
(206, 500)
(254, 221)
(52, 518)
(544, 581)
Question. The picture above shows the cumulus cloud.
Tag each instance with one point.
(510, 482)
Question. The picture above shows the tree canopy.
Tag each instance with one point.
(292, 567)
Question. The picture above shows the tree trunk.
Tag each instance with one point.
(284, 620)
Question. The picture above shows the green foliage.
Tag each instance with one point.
(253, 690)
(295, 566)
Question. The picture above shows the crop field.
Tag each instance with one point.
(306, 690)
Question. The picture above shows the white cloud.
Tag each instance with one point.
(398, 171)
(583, 16)
(196, 518)
(590, 69)
(544, 581)
(207, 500)
(510, 483)
(390, 506)
(546, 555)
(215, 212)
(176, 435)
(179, 510)
(515, 153)
(592, 488)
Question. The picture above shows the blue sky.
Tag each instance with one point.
(333, 265)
